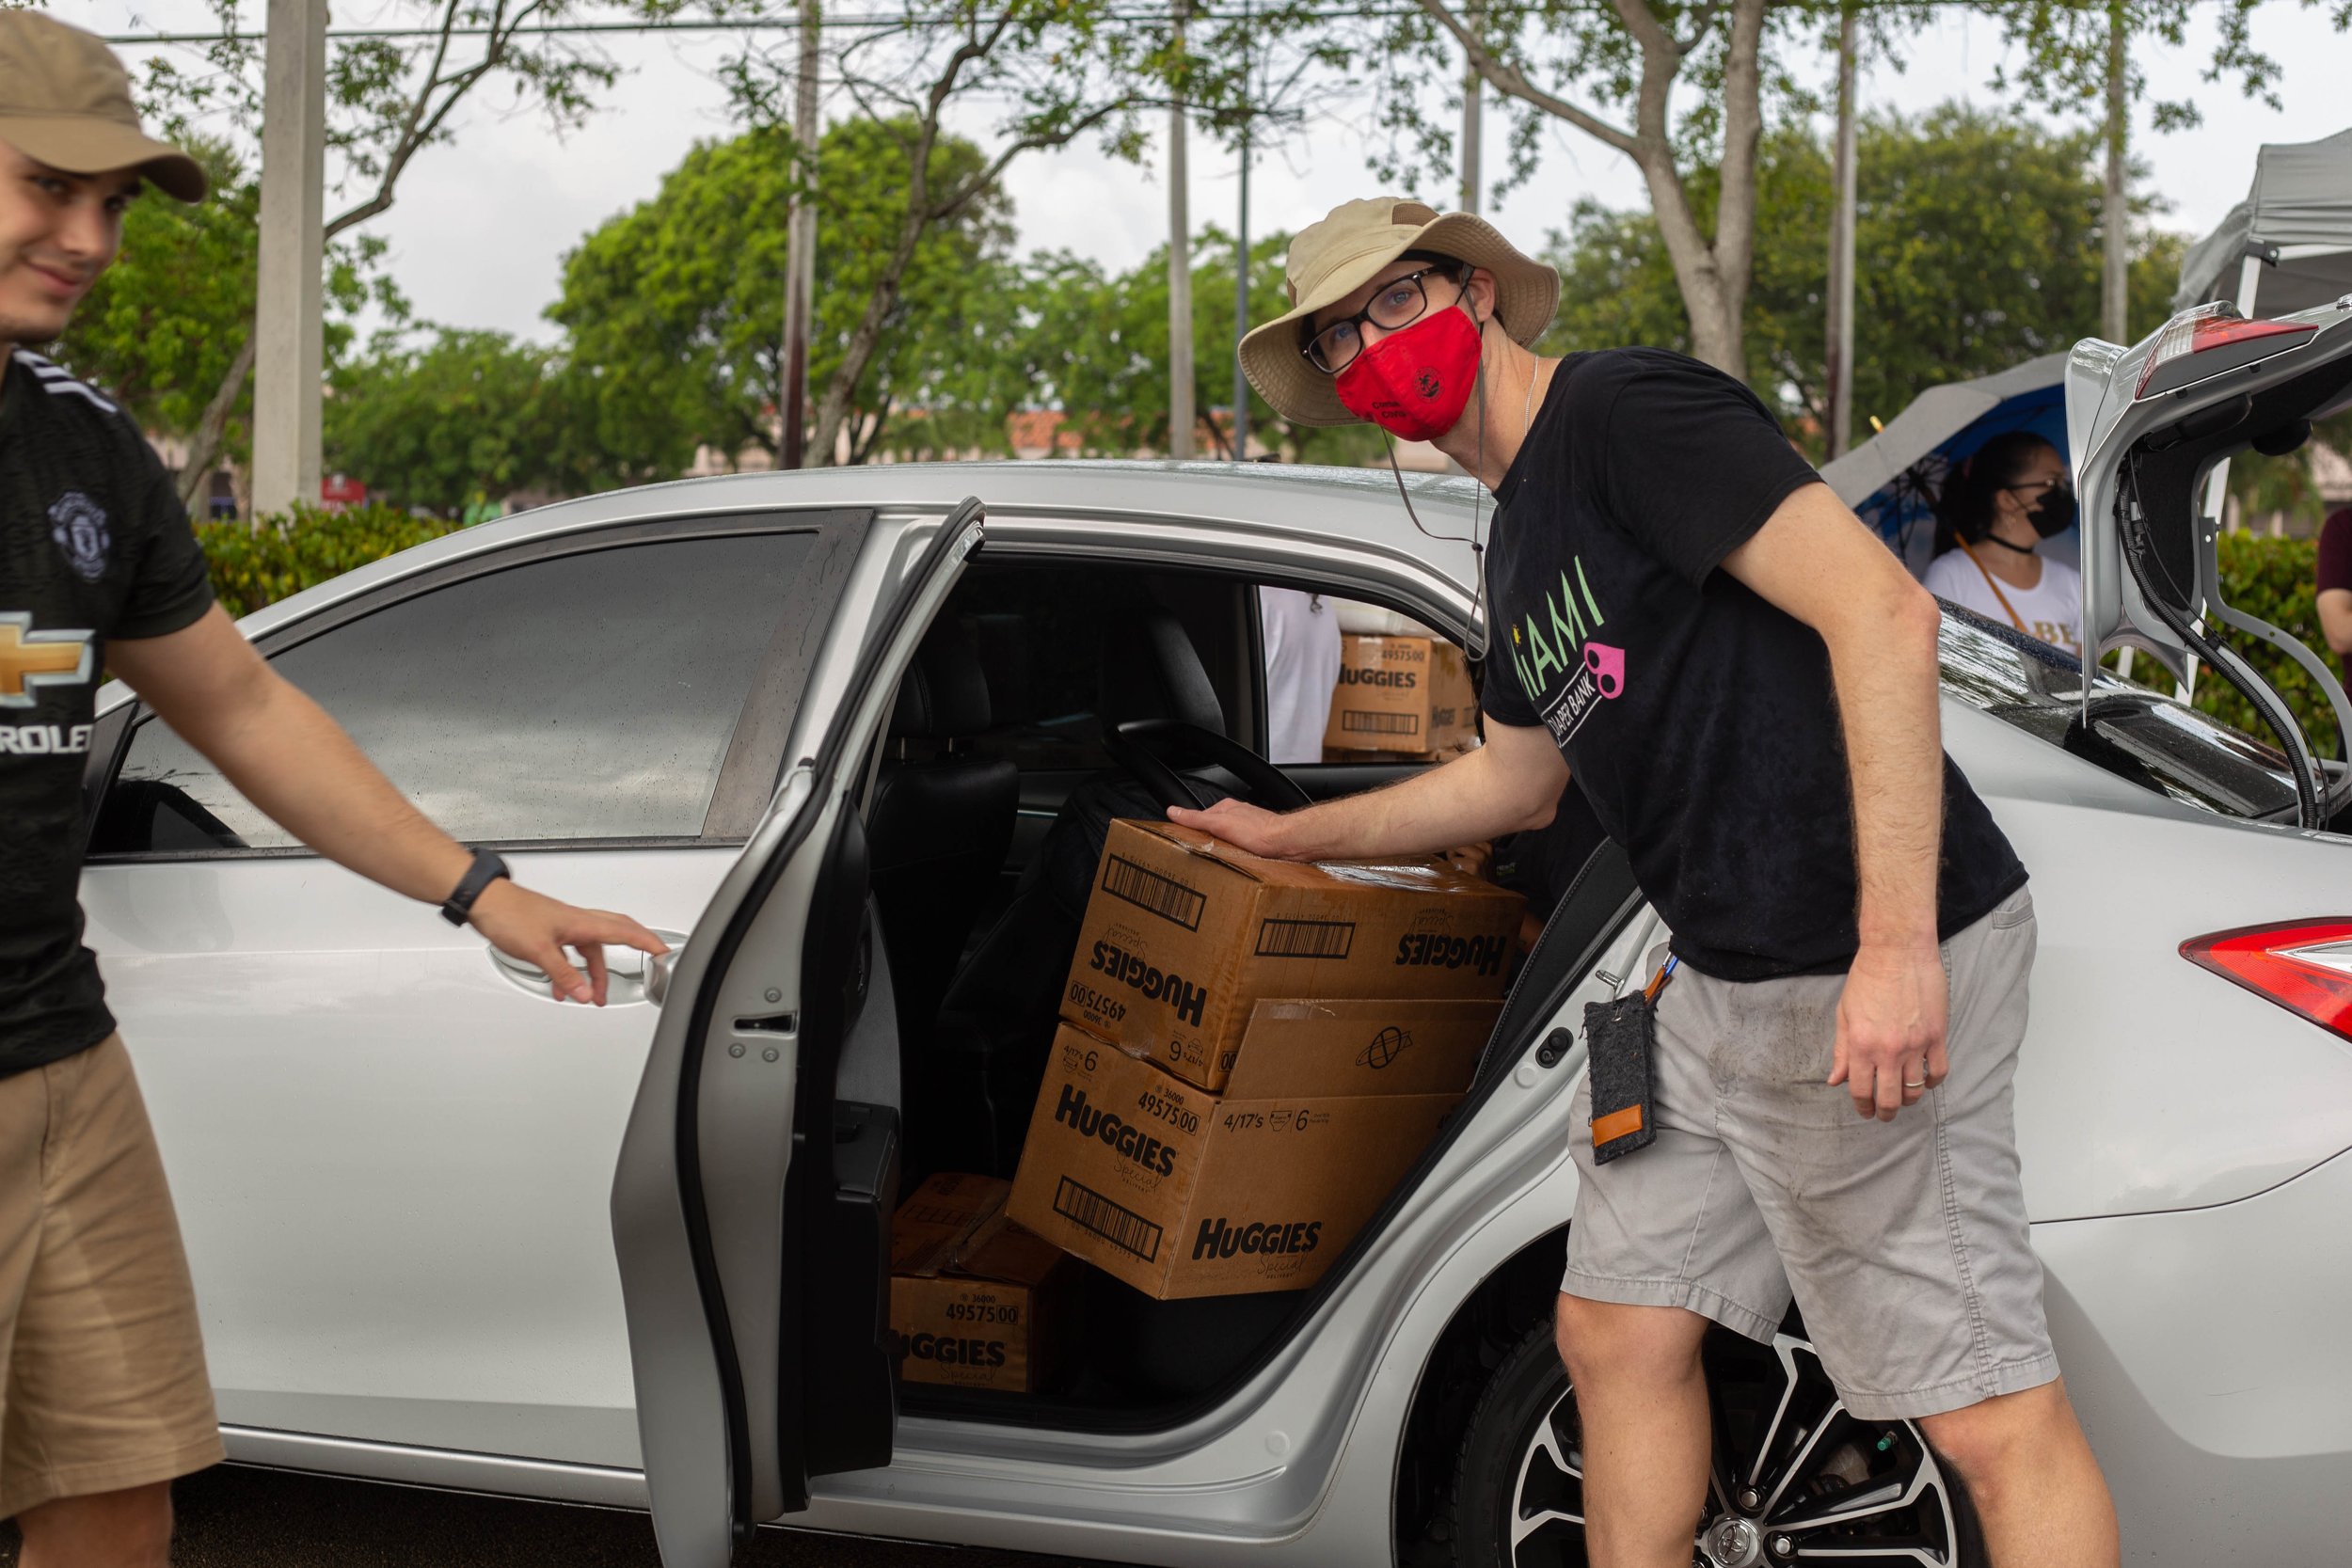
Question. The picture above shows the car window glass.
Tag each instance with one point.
(585, 696)
(2134, 732)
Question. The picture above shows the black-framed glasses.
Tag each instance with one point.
(1399, 302)
(2063, 483)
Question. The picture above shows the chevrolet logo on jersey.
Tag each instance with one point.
(31, 659)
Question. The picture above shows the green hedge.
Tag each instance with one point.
(254, 565)
(2272, 579)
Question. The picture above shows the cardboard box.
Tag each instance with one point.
(1183, 934)
(1408, 694)
(1183, 1193)
(975, 1300)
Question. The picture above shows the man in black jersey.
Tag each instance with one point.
(1744, 683)
(104, 1397)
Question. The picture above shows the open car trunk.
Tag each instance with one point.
(2152, 427)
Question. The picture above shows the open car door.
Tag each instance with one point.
(2150, 426)
(752, 1203)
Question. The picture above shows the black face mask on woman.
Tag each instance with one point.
(2054, 513)
(2052, 516)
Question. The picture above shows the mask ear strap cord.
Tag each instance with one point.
(1476, 637)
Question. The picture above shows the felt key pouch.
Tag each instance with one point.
(1617, 1039)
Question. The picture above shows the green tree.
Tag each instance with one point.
(1976, 247)
(1683, 91)
(1040, 73)
(466, 413)
(1098, 348)
(392, 92)
(163, 325)
(675, 307)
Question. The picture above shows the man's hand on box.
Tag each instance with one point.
(1473, 860)
(1237, 823)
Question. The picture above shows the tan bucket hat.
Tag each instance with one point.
(1342, 252)
(65, 100)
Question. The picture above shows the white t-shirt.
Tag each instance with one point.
(1302, 667)
(2051, 610)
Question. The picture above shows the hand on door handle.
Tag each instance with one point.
(632, 976)
(539, 932)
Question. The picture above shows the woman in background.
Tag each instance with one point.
(1997, 507)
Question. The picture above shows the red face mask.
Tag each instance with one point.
(1415, 382)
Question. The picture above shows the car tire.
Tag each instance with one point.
(1814, 1478)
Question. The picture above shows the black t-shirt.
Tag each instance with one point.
(93, 544)
(1699, 720)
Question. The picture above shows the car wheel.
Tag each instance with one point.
(1795, 1476)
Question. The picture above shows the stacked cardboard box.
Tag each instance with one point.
(1400, 697)
(1253, 1053)
(975, 1301)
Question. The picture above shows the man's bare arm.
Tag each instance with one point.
(1815, 560)
(2335, 620)
(1511, 784)
(287, 756)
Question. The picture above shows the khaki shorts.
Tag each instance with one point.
(106, 1386)
(1904, 1243)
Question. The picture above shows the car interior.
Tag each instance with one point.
(1045, 700)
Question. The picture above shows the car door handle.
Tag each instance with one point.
(631, 975)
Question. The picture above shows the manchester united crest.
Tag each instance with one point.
(79, 526)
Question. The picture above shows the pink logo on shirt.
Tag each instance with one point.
(1608, 667)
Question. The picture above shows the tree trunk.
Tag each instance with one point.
(1697, 264)
(196, 473)
(859, 353)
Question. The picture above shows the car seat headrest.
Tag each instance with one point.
(943, 696)
(1002, 642)
(1154, 672)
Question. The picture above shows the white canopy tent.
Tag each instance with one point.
(2288, 245)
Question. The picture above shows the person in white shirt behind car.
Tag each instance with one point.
(1998, 505)
(1302, 666)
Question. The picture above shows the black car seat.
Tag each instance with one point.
(997, 1021)
(1150, 670)
(941, 823)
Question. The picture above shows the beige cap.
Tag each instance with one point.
(65, 100)
(1333, 257)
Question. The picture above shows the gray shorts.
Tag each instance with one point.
(1903, 1242)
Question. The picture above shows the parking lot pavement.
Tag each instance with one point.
(266, 1519)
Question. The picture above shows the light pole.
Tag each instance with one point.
(1241, 263)
(1841, 281)
(799, 278)
(1179, 413)
(289, 349)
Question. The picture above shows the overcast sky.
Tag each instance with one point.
(480, 226)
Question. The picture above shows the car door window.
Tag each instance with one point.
(589, 696)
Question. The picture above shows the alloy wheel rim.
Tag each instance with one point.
(1795, 1476)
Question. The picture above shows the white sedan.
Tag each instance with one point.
(814, 727)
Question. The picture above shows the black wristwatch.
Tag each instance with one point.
(487, 868)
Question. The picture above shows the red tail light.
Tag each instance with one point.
(2303, 965)
(2210, 339)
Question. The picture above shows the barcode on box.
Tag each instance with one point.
(1359, 721)
(1306, 938)
(1165, 896)
(1121, 1226)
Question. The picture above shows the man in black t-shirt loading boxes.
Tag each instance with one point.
(104, 1398)
(1744, 681)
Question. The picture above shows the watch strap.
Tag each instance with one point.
(487, 868)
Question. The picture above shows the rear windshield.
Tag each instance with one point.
(2135, 732)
